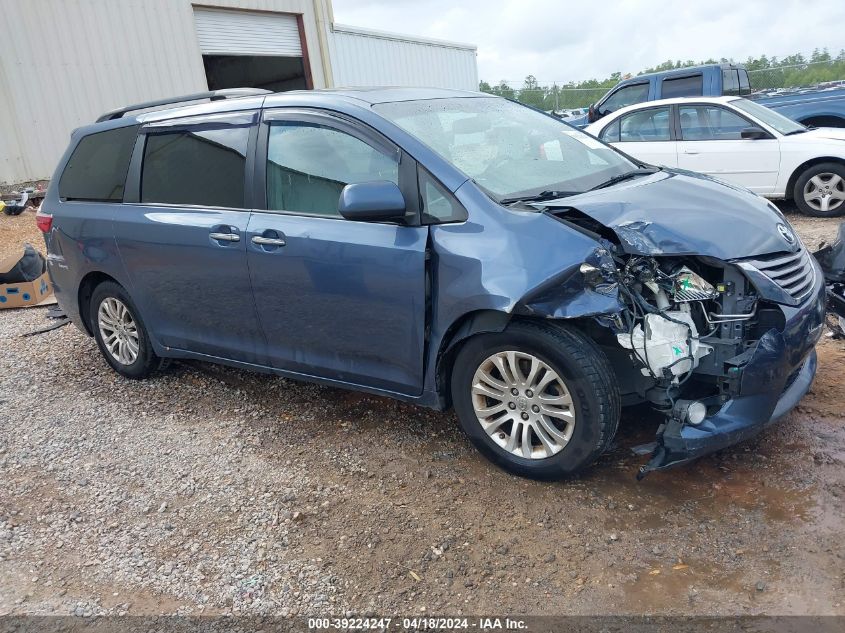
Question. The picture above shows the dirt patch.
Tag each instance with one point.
(813, 231)
(17, 230)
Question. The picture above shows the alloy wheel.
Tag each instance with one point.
(825, 191)
(118, 330)
(523, 404)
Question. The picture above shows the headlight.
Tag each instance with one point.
(690, 286)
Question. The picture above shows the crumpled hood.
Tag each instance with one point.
(682, 213)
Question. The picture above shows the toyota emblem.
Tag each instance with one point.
(786, 234)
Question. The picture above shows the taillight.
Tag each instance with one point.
(44, 221)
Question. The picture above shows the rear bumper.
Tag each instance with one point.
(777, 375)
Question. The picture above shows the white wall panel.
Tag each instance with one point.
(65, 62)
(362, 57)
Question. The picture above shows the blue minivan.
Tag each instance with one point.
(451, 249)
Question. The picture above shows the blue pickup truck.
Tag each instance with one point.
(816, 107)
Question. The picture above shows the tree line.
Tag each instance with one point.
(765, 73)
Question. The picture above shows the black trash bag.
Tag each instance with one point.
(29, 267)
(831, 257)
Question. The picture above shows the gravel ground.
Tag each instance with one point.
(208, 490)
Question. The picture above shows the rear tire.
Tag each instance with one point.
(120, 332)
(820, 190)
(496, 406)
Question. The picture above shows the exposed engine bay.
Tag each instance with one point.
(681, 317)
(716, 332)
(686, 328)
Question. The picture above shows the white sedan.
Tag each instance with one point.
(737, 141)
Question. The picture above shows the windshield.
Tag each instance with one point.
(506, 148)
(768, 116)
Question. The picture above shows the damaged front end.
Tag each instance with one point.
(720, 347)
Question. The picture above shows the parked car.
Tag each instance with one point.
(739, 141)
(810, 106)
(445, 248)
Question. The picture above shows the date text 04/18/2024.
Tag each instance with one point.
(417, 624)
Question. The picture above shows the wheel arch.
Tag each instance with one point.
(472, 324)
(463, 328)
(86, 289)
(796, 173)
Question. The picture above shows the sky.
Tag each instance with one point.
(562, 40)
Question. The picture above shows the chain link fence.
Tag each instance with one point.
(565, 99)
(798, 76)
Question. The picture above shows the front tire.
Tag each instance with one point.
(538, 400)
(120, 332)
(820, 190)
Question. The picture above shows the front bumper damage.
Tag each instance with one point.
(778, 372)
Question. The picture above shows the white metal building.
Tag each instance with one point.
(65, 62)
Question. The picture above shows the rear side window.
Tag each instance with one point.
(645, 126)
(202, 166)
(97, 167)
(682, 87)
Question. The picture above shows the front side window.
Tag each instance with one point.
(96, 170)
(506, 148)
(438, 205)
(645, 126)
(629, 95)
(682, 87)
(202, 165)
(308, 165)
(711, 123)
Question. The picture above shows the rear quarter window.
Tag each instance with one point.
(96, 170)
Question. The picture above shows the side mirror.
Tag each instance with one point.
(753, 133)
(592, 115)
(377, 201)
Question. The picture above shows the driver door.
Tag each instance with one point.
(711, 143)
(337, 299)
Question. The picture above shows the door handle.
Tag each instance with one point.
(225, 237)
(268, 241)
(689, 151)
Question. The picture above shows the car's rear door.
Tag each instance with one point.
(182, 235)
(711, 143)
(647, 134)
(337, 299)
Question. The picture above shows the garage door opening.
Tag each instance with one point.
(254, 71)
(243, 49)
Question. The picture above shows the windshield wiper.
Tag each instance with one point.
(642, 171)
(537, 197)
(801, 131)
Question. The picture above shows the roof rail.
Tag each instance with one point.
(213, 95)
